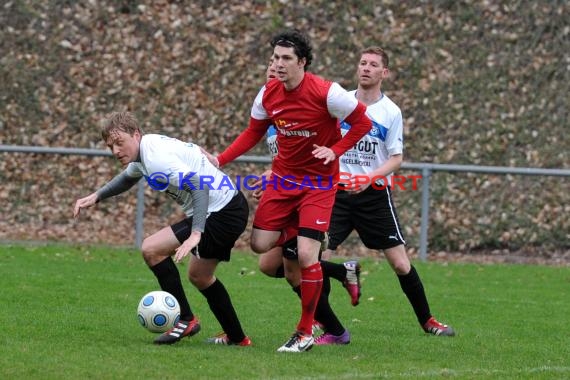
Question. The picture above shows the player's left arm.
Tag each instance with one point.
(388, 167)
(185, 176)
(392, 164)
(200, 193)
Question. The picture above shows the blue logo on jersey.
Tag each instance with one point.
(377, 130)
(158, 180)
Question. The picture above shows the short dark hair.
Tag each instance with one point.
(378, 51)
(299, 41)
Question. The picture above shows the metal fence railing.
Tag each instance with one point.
(426, 170)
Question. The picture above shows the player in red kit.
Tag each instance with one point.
(305, 109)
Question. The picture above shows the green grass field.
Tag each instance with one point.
(69, 312)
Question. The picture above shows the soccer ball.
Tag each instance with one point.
(158, 311)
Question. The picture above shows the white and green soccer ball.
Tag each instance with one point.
(158, 311)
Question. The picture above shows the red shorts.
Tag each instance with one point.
(290, 205)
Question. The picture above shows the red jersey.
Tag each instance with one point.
(305, 116)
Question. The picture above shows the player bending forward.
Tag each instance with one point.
(214, 219)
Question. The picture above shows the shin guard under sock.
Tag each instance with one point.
(221, 305)
(414, 290)
(311, 285)
(169, 280)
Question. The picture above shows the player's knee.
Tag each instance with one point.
(307, 257)
(259, 246)
(398, 259)
(149, 252)
(401, 267)
(267, 270)
(194, 279)
(199, 280)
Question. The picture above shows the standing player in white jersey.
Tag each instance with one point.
(216, 215)
(366, 205)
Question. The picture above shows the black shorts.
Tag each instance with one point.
(371, 213)
(222, 229)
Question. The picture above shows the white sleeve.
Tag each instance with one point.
(395, 136)
(257, 110)
(339, 102)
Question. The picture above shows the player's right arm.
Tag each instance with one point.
(259, 122)
(121, 183)
(257, 185)
(245, 141)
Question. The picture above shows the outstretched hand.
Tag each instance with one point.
(86, 202)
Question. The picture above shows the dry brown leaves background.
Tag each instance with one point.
(479, 83)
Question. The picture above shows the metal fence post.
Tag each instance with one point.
(426, 173)
(139, 227)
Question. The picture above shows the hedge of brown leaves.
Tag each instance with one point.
(478, 82)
